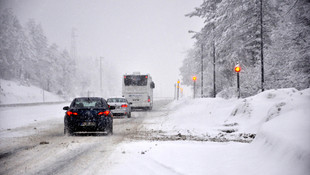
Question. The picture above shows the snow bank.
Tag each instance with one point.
(12, 92)
(280, 118)
(252, 112)
(193, 116)
(214, 115)
(286, 133)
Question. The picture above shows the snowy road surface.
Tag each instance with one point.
(40, 147)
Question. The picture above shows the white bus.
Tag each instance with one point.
(138, 89)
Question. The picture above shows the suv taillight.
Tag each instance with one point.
(69, 113)
(105, 113)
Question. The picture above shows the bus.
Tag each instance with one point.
(138, 90)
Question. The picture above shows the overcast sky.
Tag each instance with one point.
(150, 36)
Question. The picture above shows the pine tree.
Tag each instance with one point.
(233, 29)
(10, 33)
(288, 63)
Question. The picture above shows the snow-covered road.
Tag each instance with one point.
(36, 144)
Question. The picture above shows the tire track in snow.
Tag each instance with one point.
(62, 154)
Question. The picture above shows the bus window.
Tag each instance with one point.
(135, 80)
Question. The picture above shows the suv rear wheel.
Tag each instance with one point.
(110, 129)
(67, 131)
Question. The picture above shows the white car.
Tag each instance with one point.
(119, 106)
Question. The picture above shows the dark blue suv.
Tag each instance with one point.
(88, 114)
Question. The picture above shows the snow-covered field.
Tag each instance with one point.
(13, 93)
(267, 134)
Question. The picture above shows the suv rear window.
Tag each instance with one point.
(89, 103)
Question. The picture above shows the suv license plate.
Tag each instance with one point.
(88, 124)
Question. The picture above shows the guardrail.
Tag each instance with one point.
(32, 104)
(59, 102)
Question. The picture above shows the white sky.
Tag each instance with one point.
(150, 36)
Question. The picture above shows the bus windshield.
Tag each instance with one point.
(135, 80)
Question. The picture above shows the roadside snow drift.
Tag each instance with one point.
(280, 120)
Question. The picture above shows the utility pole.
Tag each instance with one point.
(194, 80)
(237, 70)
(262, 44)
(101, 76)
(178, 89)
(194, 89)
(214, 90)
(73, 44)
(201, 70)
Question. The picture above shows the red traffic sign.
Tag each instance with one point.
(194, 78)
(237, 68)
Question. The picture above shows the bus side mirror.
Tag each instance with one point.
(152, 85)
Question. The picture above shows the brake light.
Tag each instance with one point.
(69, 113)
(124, 106)
(105, 113)
(149, 99)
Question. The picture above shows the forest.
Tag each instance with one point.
(272, 34)
(27, 57)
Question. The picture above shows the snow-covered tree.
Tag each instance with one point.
(232, 34)
(11, 43)
(26, 56)
(288, 63)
